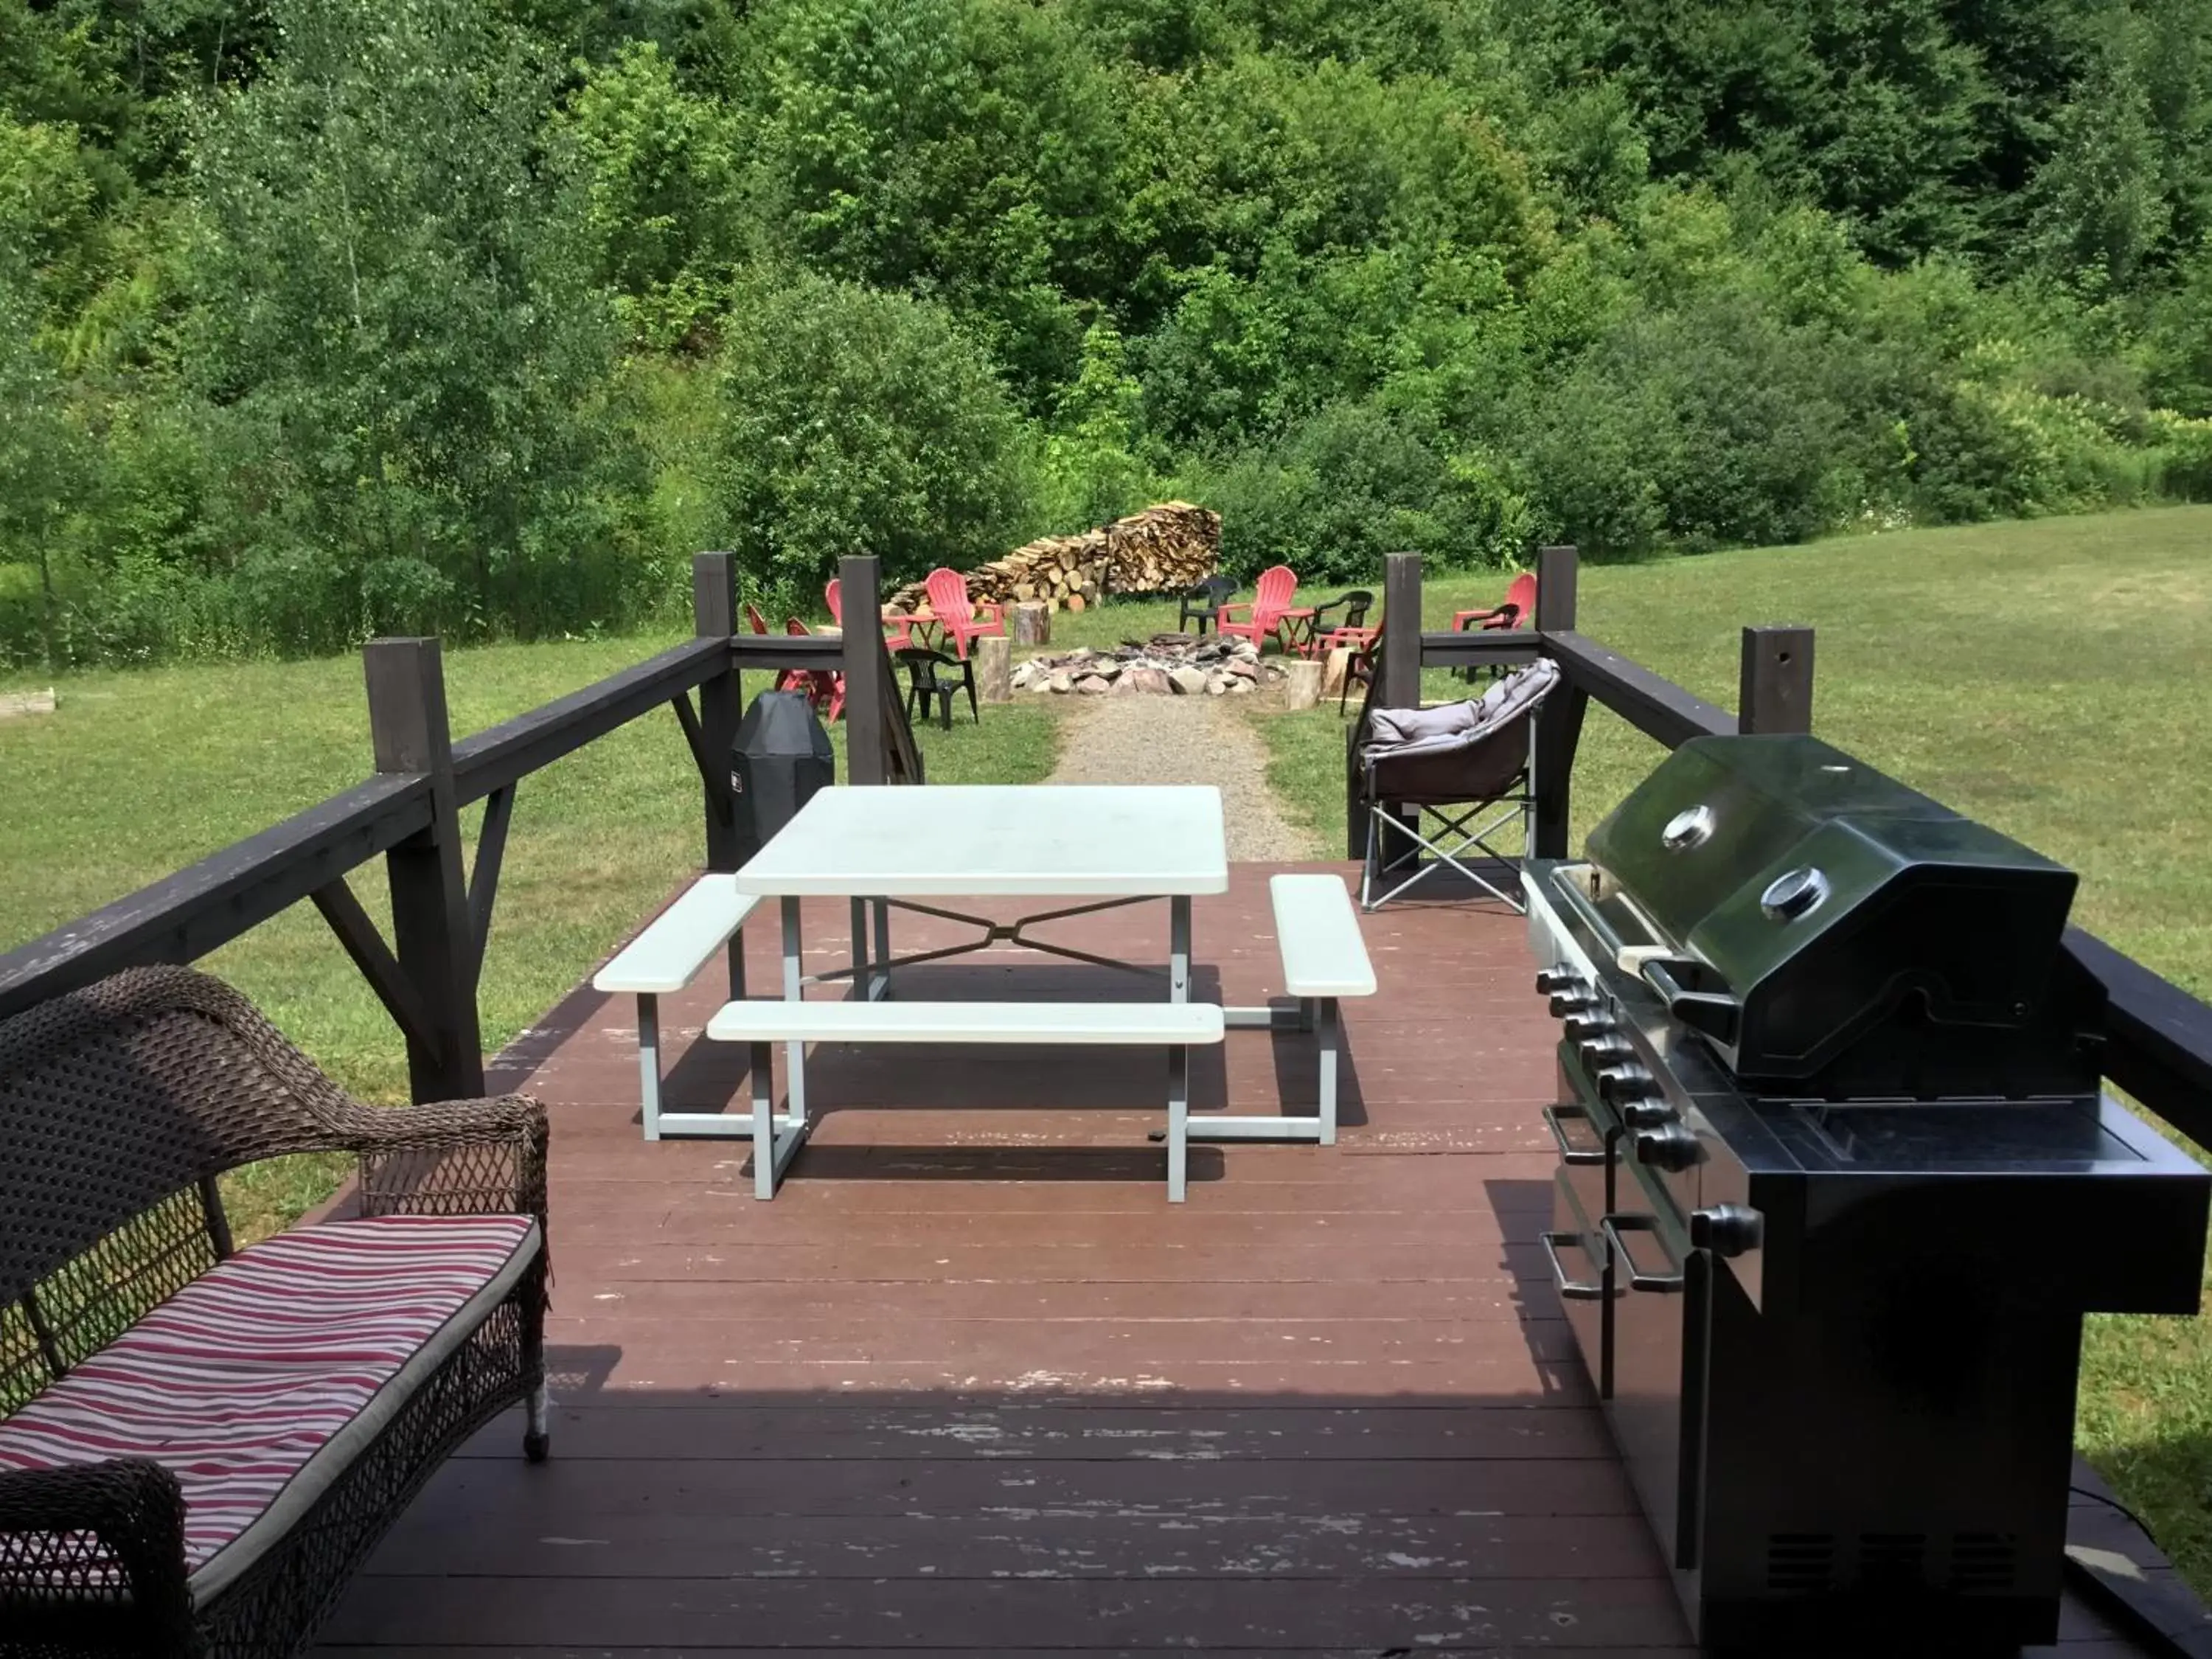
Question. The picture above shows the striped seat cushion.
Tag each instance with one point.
(256, 1384)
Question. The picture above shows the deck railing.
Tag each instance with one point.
(410, 813)
(2158, 1037)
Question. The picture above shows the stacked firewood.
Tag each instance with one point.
(1162, 550)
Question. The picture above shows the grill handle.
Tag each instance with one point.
(1570, 1290)
(1713, 1012)
(1588, 914)
(1569, 1152)
(1612, 1227)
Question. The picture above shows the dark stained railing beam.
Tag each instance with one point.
(2158, 1036)
(1559, 721)
(712, 732)
(1775, 687)
(433, 935)
(483, 874)
(342, 910)
(202, 907)
(1480, 648)
(500, 754)
(1650, 702)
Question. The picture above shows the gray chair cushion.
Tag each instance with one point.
(1397, 733)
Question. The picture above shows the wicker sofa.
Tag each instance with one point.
(199, 1443)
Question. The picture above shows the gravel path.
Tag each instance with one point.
(1145, 739)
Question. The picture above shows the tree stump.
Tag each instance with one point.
(994, 668)
(1031, 621)
(1333, 671)
(1302, 689)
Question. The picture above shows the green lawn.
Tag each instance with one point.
(139, 773)
(2053, 678)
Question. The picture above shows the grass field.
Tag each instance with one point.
(2053, 679)
(138, 774)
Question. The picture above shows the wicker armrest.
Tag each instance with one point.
(95, 1543)
(449, 1158)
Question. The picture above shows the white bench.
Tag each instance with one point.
(1324, 960)
(664, 959)
(1178, 1026)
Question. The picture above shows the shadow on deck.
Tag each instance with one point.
(970, 1384)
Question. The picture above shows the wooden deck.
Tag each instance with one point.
(970, 1384)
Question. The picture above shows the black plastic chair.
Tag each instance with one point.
(1345, 611)
(1204, 600)
(1358, 670)
(941, 676)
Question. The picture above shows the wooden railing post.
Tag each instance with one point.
(1776, 687)
(433, 935)
(861, 583)
(1401, 667)
(1559, 722)
(1397, 685)
(722, 703)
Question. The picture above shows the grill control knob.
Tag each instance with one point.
(1572, 1002)
(1627, 1082)
(1670, 1147)
(1794, 893)
(1647, 1114)
(1550, 980)
(1727, 1228)
(1598, 1052)
(1594, 1023)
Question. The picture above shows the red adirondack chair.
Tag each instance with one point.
(949, 604)
(757, 622)
(1518, 608)
(1268, 611)
(824, 689)
(897, 636)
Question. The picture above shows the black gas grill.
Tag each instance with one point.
(1837, 1184)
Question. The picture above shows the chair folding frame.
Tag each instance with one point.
(1383, 822)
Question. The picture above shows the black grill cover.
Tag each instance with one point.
(1837, 928)
(781, 757)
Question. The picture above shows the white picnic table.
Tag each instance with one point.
(889, 848)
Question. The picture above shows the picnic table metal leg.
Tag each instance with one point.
(766, 1165)
(648, 1063)
(883, 947)
(1328, 1026)
(1179, 948)
(794, 1052)
(1178, 1122)
(737, 954)
(862, 979)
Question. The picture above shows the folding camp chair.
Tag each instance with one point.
(1447, 782)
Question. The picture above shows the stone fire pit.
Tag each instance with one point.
(1167, 664)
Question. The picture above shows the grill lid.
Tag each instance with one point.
(1825, 926)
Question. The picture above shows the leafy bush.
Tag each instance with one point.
(854, 420)
(1350, 484)
(1697, 429)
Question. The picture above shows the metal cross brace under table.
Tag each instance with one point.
(1105, 847)
(874, 966)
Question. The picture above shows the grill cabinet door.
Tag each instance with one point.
(1656, 1374)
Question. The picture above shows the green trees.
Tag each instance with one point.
(325, 316)
(855, 420)
(396, 333)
